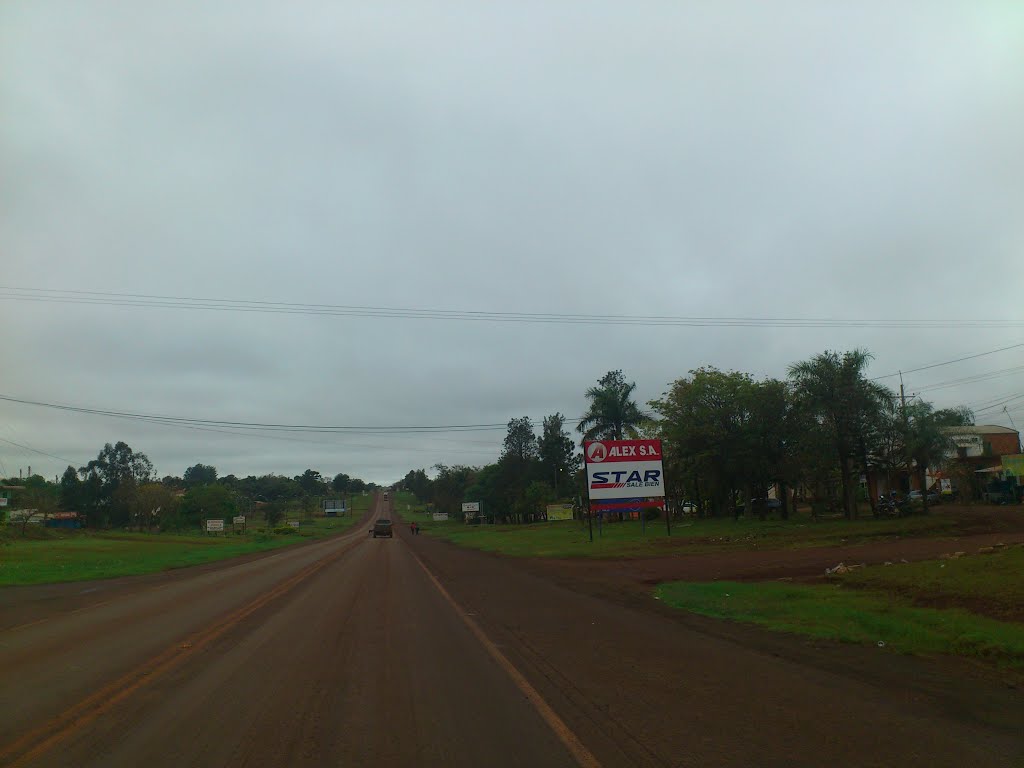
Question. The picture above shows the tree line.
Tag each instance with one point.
(531, 473)
(119, 489)
(728, 438)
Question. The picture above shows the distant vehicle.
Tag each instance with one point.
(773, 505)
(916, 497)
(385, 495)
(687, 507)
(382, 527)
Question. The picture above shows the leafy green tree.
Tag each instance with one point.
(273, 512)
(38, 501)
(114, 465)
(200, 474)
(536, 497)
(835, 389)
(725, 433)
(557, 452)
(927, 438)
(486, 488)
(520, 442)
(450, 486)
(519, 464)
(340, 482)
(613, 413)
(208, 502)
(147, 506)
(70, 490)
(311, 482)
(418, 483)
(270, 488)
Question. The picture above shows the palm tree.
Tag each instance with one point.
(927, 440)
(613, 414)
(845, 403)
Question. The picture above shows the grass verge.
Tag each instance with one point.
(991, 584)
(855, 616)
(87, 555)
(628, 539)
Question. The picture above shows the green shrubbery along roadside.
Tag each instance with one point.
(885, 619)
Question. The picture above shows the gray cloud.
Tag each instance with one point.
(797, 160)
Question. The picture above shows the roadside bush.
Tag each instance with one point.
(285, 530)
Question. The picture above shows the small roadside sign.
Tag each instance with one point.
(294, 523)
(440, 517)
(214, 526)
(239, 523)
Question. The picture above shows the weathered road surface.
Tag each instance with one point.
(409, 652)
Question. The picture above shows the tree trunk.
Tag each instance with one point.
(867, 476)
(923, 470)
(845, 474)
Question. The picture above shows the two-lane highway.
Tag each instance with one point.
(339, 653)
(410, 652)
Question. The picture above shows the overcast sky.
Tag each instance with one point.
(858, 161)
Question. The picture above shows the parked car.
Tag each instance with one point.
(687, 508)
(916, 497)
(382, 527)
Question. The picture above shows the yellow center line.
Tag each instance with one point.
(583, 756)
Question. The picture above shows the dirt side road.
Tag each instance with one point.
(346, 653)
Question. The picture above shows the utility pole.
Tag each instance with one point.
(903, 400)
(1013, 425)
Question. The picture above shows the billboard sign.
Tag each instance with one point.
(559, 512)
(471, 507)
(333, 506)
(1013, 464)
(625, 470)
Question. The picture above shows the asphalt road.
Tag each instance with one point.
(410, 652)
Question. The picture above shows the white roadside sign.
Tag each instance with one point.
(619, 469)
(214, 525)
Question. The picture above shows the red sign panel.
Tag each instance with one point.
(603, 451)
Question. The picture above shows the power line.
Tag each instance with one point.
(111, 299)
(949, 362)
(260, 426)
(36, 450)
(974, 379)
(1001, 404)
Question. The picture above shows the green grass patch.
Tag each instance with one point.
(628, 539)
(832, 612)
(992, 583)
(86, 555)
